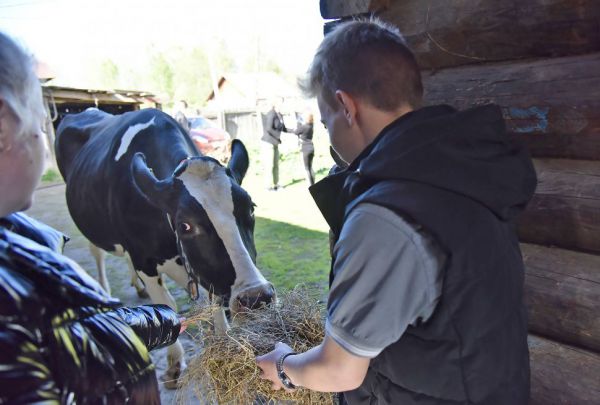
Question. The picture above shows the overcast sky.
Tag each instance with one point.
(70, 34)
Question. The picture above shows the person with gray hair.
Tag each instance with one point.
(426, 284)
(62, 338)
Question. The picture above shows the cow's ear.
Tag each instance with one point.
(239, 161)
(158, 192)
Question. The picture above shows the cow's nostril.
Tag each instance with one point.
(255, 301)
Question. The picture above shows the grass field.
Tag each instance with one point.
(51, 176)
(289, 254)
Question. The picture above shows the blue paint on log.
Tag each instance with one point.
(537, 118)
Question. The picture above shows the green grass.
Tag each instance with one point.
(51, 176)
(291, 237)
(289, 255)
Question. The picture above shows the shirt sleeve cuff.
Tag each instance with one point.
(349, 343)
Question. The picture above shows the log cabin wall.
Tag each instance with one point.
(540, 61)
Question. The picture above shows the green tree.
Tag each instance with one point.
(224, 62)
(191, 75)
(108, 74)
(160, 79)
(175, 73)
(271, 65)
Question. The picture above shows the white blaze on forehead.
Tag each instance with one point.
(209, 184)
(128, 136)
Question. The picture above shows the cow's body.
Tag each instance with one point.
(124, 197)
(101, 196)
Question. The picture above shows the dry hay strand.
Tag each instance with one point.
(225, 371)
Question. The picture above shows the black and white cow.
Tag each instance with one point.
(136, 185)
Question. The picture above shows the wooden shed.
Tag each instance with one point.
(540, 61)
(68, 100)
(242, 97)
(60, 100)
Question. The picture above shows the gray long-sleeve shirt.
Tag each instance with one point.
(387, 277)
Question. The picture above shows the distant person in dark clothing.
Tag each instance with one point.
(180, 115)
(305, 136)
(272, 127)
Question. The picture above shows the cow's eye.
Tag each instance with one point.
(185, 227)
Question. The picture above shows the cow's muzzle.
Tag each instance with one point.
(254, 298)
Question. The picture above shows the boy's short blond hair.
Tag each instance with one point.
(366, 58)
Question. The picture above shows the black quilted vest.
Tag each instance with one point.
(473, 349)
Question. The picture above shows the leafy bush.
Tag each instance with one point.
(51, 176)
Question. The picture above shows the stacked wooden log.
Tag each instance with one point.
(540, 61)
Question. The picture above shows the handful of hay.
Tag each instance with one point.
(225, 372)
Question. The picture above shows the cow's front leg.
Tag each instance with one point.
(175, 366)
(220, 322)
(136, 281)
(175, 359)
(100, 257)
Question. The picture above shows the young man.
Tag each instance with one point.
(425, 302)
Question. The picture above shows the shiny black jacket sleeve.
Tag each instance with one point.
(35, 230)
(63, 340)
(156, 325)
(24, 373)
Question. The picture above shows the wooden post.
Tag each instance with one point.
(561, 374)
(552, 105)
(565, 211)
(562, 293)
(446, 33)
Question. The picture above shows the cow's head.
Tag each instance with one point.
(213, 220)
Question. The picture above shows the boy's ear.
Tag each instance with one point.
(348, 103)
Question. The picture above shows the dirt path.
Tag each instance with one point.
(50, 207)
